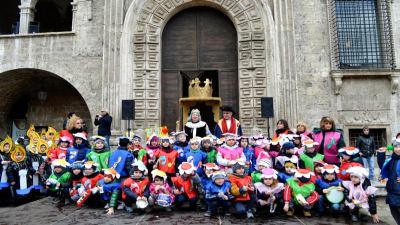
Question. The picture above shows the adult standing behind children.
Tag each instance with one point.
(366, 145)
(104, 121)
(330, 139)
(228, 124)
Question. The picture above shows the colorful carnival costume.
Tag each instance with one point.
(101, 154)
(59, 181)
(300, 191)
(195, 156)
(269, 191)
(261, 164)
(187, 186)
(160, 191)
(79, 150)
(229, 153)
(218, 194)
(349, 157)
(135, 189)
(359, 194)
(325, 186)
(109, 188)
(309, 156)
(121, 159)
(206, 147)
(242, 189)
(88, 190)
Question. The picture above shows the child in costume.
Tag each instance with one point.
(76, 179)
(100, 153)
(360, 195)
(5, 160)
(242, 189)
(152, 146)
(318, 165)
(59, 181)
(206, 147)
(61, 151)
(187, 186)
(290, 169)
(181, 146)
(218, 194)
(166, 159)
(391, 172)
(121, 159)
(261, 164)
(300, 191)
(79, 150)
(324, 185)
(136, 187)
(109, 188)
(136, 149)
(287, 153)
(195, 156)
(20, 171)
(37, 162)
(349, 156)
(248, 153)
(310, 155)
(229, 153)
(88, 190)
(269, 191)
(206, 179)
(160, 191)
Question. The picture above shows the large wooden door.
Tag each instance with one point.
(198, 40)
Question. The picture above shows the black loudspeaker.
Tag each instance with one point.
(267, 107)
(128, 109)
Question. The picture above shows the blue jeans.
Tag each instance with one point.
(107, 137)
(241, 207)
(369, 163)
(322, 202)
(213, 205)
(180, 199)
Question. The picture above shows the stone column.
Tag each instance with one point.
(27, 15)
(74, 9)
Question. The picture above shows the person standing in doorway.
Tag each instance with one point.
(366, 145)
(228, 124)
(104, 121)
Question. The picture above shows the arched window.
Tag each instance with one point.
(52, 16)
(9, 16)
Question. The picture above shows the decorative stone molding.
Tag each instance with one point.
(27, 15)
(141, 44)
(339, 75)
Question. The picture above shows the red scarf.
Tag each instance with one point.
(232, 129)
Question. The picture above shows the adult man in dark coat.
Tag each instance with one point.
(104, 121)
(228, 124)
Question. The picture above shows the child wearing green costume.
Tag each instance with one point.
(100, 153)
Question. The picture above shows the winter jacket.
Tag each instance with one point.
(391, 170)
(371, 198)
(121, 160)
(213, 189)
(110, 193)
(77, 153)
(237, 184)
(366, 145)
(104, 124)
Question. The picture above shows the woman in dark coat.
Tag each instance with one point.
(195, 127)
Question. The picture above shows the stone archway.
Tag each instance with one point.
(141, 55)
(20, 99)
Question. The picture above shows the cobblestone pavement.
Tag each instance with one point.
(44, 212)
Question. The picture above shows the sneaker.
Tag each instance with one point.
(250, 215)
(307, 213)
(272, 208)
(107, 206)
(168, 209)
(129, 209)
(121, 206)
(207, 214)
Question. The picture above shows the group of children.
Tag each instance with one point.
(248, 175)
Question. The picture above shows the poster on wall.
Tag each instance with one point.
(19, 129)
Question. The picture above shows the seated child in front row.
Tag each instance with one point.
(242, 189)
(269, 191)
(360, 195)
(218, 194)
(300, 191)
(109, 189)
(187, 187)
(59, 181)
(160, 191)
(324, 185)
(136, 186)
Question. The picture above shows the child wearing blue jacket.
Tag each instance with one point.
(218, 194)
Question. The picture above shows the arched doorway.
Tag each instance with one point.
(41, 98)
(198, 42)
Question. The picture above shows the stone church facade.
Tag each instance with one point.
(286, 49)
